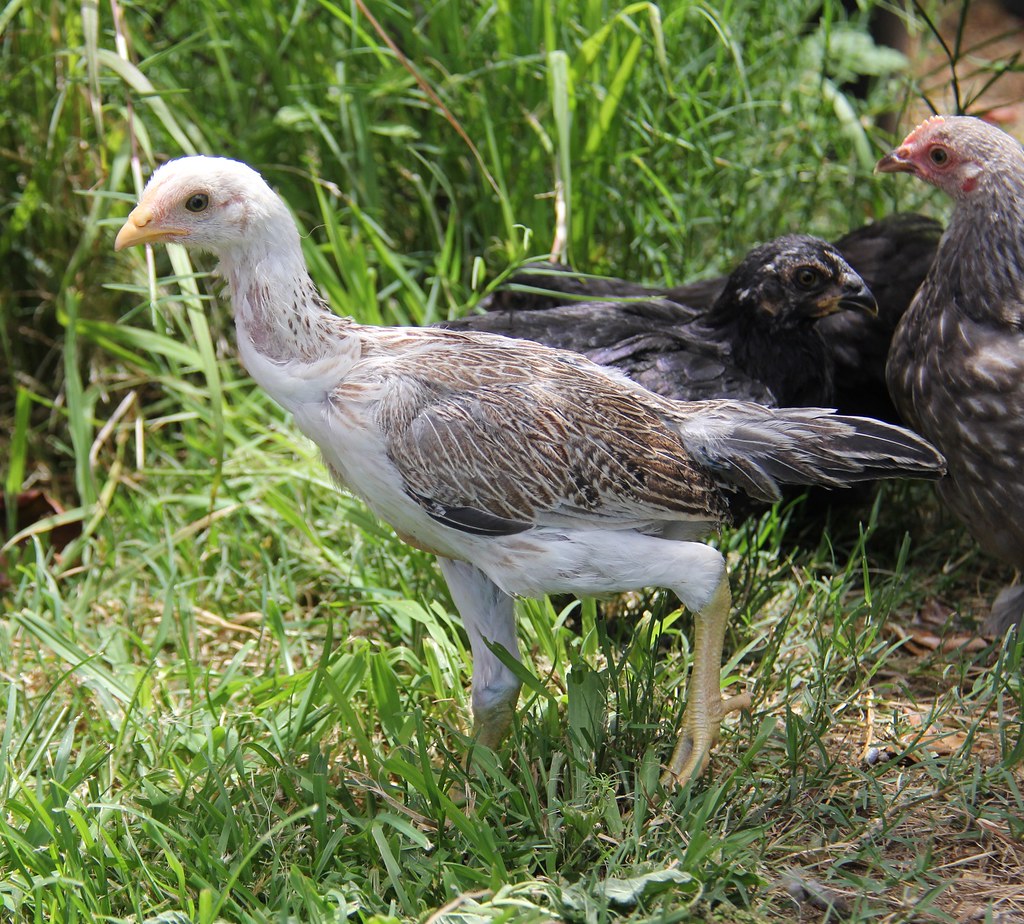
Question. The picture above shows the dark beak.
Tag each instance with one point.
(853, 296)
(858, 297)
(897, 161)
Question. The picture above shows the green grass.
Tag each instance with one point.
(230, 694)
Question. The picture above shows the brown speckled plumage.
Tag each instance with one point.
(473, 405)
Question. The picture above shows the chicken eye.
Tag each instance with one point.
(807, 278)
(197, 202)
(938, 156)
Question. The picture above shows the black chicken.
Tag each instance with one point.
(892, 255)
(757, 342)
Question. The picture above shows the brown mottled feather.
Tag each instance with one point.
(572, 441)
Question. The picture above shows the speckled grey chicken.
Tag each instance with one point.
(757, 342)
(525, 469)
(892, 255)
(956, 366)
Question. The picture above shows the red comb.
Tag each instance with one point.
(921, 129)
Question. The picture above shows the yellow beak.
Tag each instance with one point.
(138, 230)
